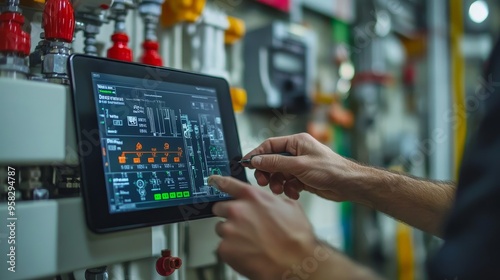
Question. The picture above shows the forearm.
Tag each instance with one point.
(419, 203)
(342, 268)
(326, 262)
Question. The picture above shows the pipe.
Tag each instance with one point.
(173, 238)
(458, 82)
(439, 92)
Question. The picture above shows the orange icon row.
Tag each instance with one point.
(123, 160)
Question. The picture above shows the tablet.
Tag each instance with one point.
(148, 139)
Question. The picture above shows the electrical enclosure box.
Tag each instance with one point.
(278, 67)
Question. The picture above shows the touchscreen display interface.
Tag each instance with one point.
(160, 142)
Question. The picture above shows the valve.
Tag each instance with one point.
(120, 49)
(16, 40)
(58, 21)
(235, 32)
(174, 12)
(15, 44)
(166, 264)
(239, 99)
(151, 55)
(150, 11)
(53, 51)
(91, 15)
(98, 273)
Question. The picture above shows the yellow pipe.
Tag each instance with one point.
(458, 81)
(405, 252)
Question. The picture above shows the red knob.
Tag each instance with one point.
(120, 50)
(26, 43)
(151, 55)
(166, 264)
(59, 20)
(14, 38)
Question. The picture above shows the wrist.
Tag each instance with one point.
(316, 260)
(365, 183)
(325, 262)
(308, 263)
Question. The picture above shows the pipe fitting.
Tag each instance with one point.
(166, 265)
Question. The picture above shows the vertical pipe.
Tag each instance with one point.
(458, 81)
(439, 92)
(296, 15)
(182, 249)
(208, 49)
(173, 238)
(177, 45)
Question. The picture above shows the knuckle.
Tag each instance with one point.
(304, 136)
(225, 229)
(222, 183)
(308, 138)
(300, 164)
(216, 209)
(234, 211)
(271, 139)
(270, 161)
(266, 145)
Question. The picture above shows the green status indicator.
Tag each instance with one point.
(187, 194)
(103, 91)
(158, 196)
(164, 196)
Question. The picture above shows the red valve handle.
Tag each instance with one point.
(151, 55)
(14, 38)
(166, 264)
(120, 50)
(59, 20)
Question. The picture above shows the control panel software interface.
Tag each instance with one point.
(160, 142)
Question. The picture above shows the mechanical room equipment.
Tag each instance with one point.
(278, 67)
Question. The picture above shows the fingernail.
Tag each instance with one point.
(256, 160)
(213, 182)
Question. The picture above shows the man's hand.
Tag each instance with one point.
(317, 169)
(263, 235)
(269, 237)
(314, 167)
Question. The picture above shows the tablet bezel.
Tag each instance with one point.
(95, 197)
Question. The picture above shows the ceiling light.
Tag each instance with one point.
(478, 11)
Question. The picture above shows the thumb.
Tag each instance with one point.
(276, 163)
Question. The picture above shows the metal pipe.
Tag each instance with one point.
(458, 82)
(173, 238)
(439, 92)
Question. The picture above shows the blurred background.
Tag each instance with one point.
(391, 83)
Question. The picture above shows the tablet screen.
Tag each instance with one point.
(160, 142)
